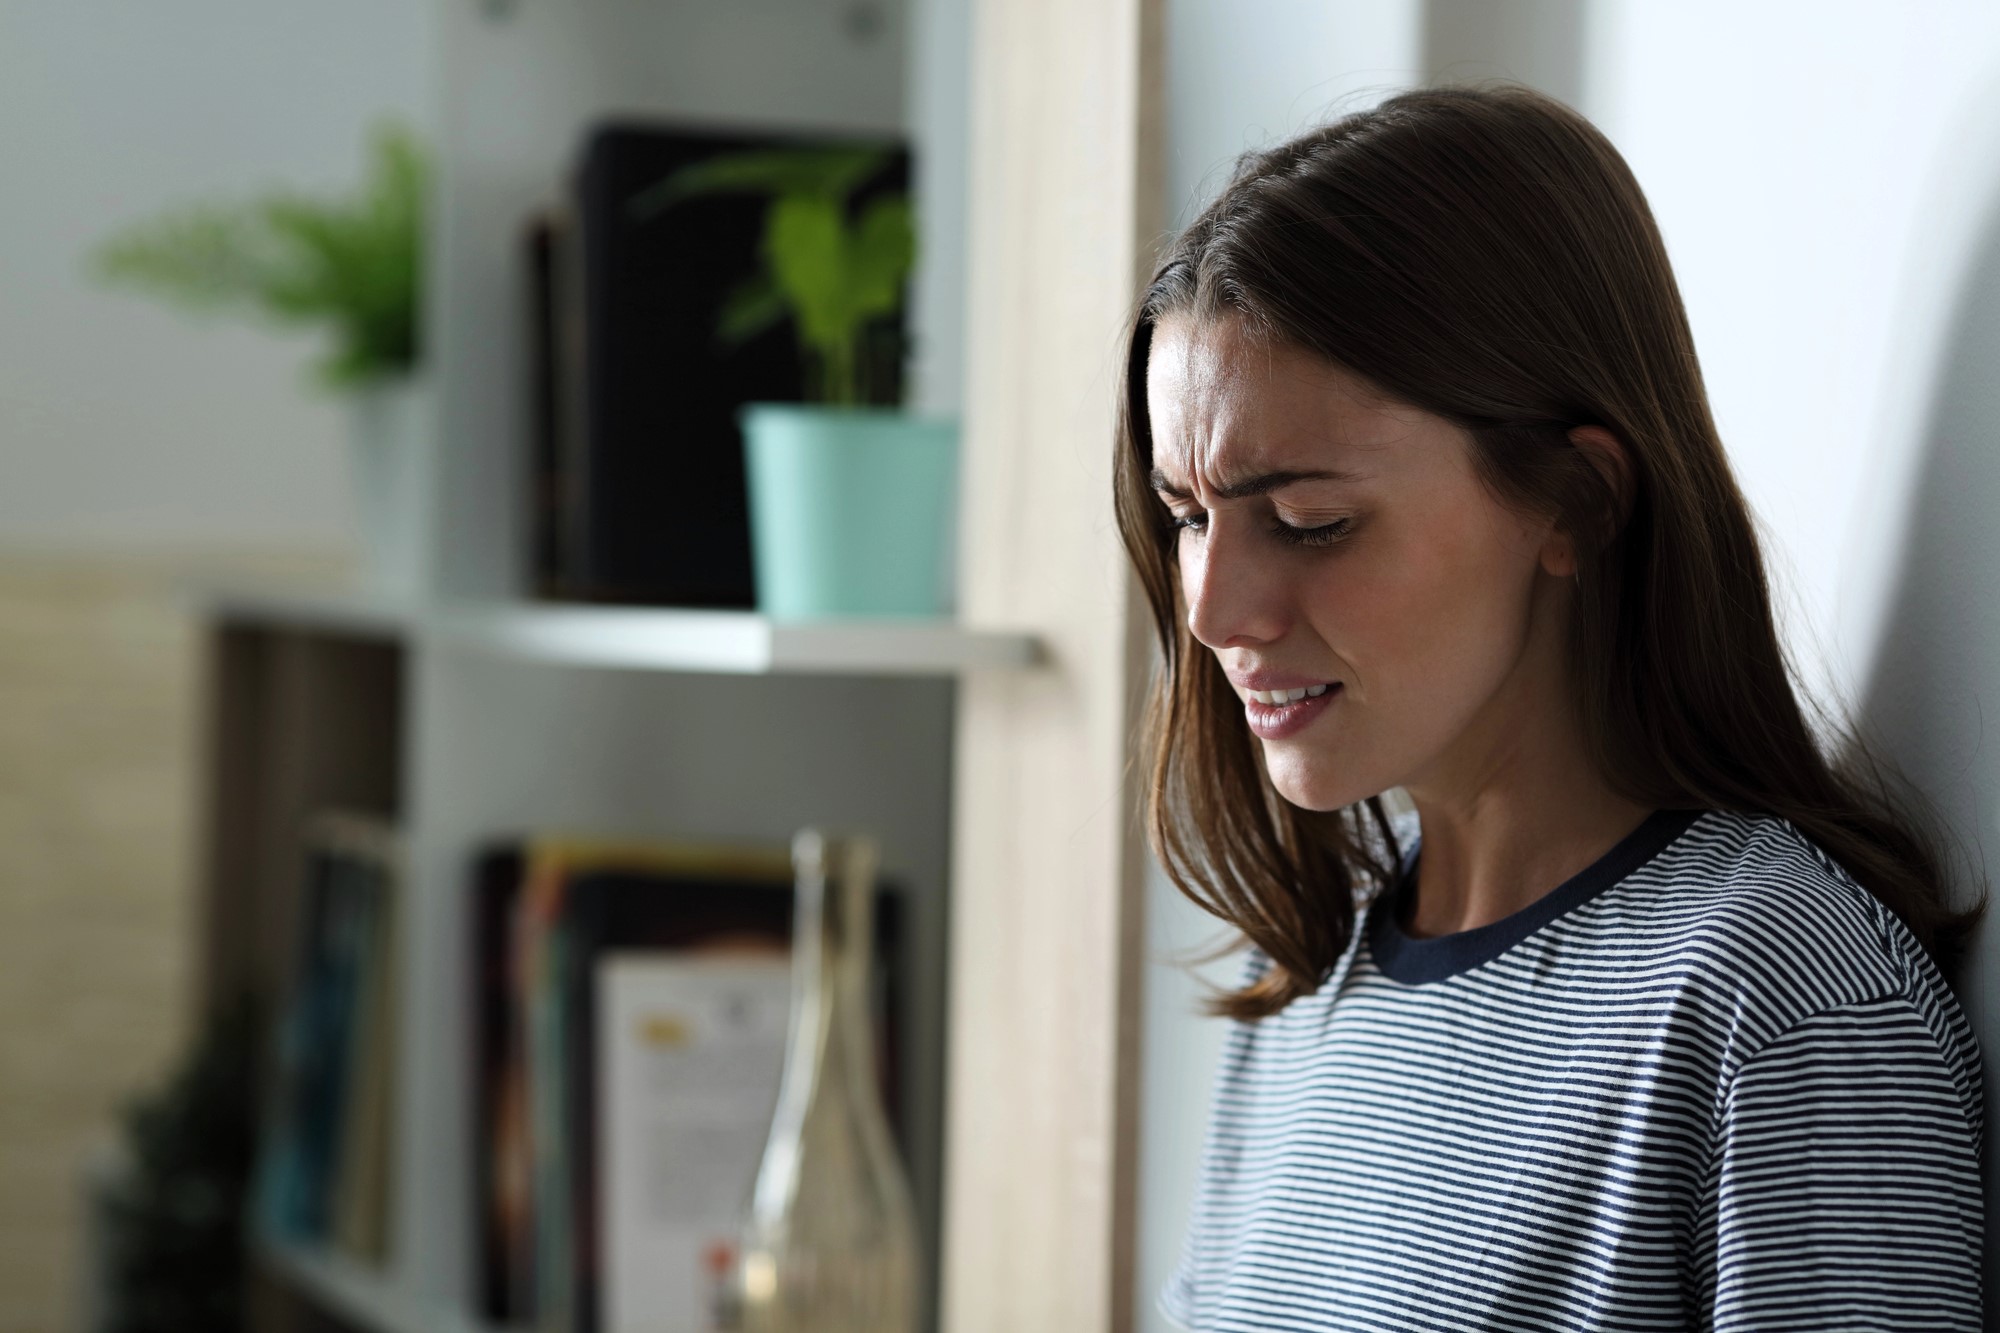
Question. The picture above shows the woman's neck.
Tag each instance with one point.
(1486, 862)
(1516, 808)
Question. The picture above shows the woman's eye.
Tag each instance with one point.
(1324, 535)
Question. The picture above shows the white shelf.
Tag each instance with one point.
(650, 639)
(736, 641)
(362, 1296)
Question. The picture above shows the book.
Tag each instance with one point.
(545, 242)
(359, 1207)
(323, 1160)
(661, 909)
(503, 1226)
(526, 1086)
(690, 1051)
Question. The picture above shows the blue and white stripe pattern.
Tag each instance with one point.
(1707, 1083)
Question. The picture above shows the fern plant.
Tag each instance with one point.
(836, 277)
(350, 265)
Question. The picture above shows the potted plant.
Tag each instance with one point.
(851, 498)
(350, 266)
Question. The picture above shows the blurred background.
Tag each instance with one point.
(205, 610)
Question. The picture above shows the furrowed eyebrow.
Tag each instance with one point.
(1258, 485)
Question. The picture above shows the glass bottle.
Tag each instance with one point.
(829, 1243)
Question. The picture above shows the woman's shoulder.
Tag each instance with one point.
(1756, 887)
(1770, 929)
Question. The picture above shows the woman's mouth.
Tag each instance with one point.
(1276, 714)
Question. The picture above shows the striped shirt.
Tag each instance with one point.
(1708, 1082)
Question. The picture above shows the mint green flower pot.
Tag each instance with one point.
(852, 510)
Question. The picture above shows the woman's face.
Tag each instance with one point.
(1330, 539)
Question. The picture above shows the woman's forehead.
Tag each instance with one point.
(1224, 403)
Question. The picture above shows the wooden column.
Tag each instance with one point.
(1066, 205)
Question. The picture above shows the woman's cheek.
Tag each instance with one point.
(1387, 604)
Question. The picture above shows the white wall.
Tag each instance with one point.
(1244, 75)
(123, 422)
(1820, 171)
(1827, 177)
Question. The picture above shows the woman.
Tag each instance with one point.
(1636, 1019)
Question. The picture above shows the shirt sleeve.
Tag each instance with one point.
(1844, 1191)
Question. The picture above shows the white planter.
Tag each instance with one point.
(389, 446)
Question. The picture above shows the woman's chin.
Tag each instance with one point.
(1305, 786)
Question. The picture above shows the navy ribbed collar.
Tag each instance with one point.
(1414, 961)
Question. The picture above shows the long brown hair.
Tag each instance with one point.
(1485, 254)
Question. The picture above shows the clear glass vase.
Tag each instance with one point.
(829, 1243)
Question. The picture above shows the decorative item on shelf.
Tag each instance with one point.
(829, 1241)
(850, 510)
(852, 500)
(637, 477)
(351, 266)
(390, 425)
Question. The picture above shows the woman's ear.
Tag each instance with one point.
(1607, 453)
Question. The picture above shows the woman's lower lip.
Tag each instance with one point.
(1277, 721)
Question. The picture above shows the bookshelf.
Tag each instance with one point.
(632, 723)
(986, 753)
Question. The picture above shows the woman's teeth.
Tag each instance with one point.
(1275, 697)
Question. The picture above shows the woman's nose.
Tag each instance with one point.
(1234, 597)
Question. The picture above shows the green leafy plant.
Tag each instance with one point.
(836, 276)
(351, 265)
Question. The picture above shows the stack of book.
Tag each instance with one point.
(630, 1011)
(323, 1163)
